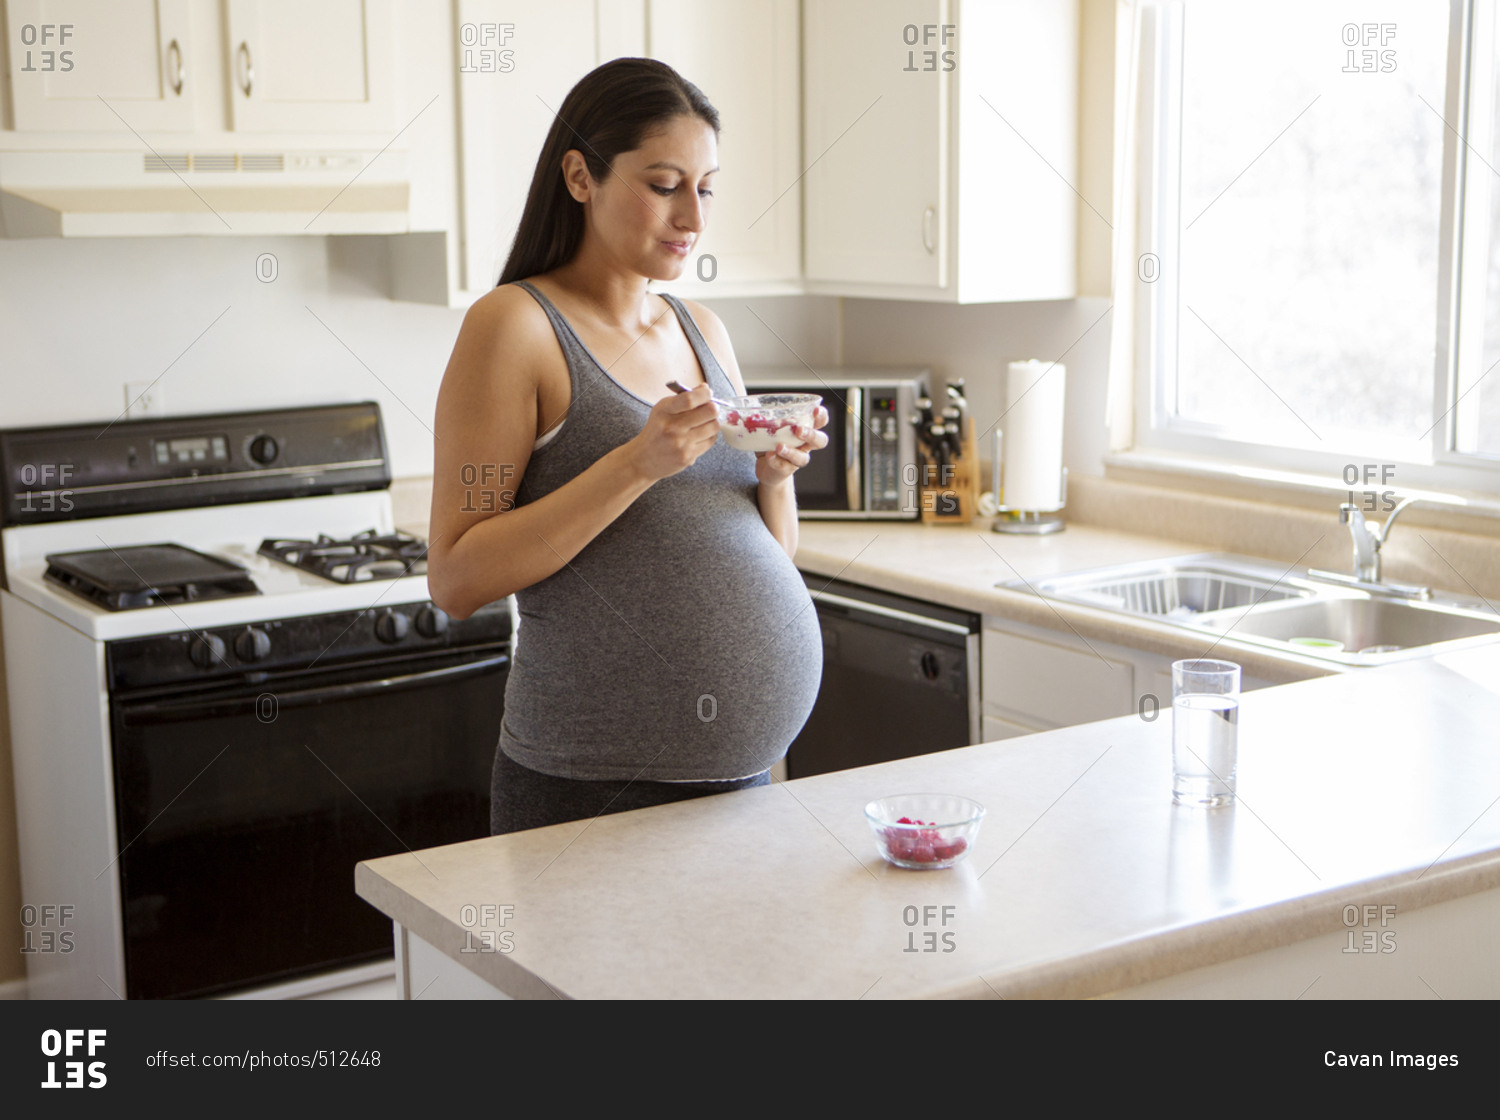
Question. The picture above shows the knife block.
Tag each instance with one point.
(954, 499)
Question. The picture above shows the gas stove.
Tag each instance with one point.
(231, 535)
(215, 635)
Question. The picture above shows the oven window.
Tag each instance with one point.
(241, 817)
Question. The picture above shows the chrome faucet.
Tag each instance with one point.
(1367, 542)
(1367, 546)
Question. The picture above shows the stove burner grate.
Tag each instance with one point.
(365, 556)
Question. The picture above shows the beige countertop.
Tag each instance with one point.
(1364, 788)
(960, 567)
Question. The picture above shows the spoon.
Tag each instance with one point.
(679, 387)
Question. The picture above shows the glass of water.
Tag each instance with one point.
(1205, 731)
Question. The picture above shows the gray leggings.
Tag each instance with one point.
(522, 798)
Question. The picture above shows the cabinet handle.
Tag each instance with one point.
(927, 238)
(242, 63)
(174, 66)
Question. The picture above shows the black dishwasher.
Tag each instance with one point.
(900, 678)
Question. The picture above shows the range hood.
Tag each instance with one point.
(174, 193)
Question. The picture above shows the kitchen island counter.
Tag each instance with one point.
(1369, 794)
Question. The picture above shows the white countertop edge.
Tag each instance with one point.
(496, 969)
(1158, 955)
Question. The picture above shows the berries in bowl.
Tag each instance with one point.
(924, 831)
(764, 422)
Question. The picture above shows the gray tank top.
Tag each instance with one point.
(680, 644)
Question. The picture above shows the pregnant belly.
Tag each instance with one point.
(708, 671)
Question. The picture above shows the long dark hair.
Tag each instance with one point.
(611, 110)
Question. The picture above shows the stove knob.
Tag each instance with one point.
(391, 626)
(263, 449)
(206, 651)
(432, 621)
(252, 644)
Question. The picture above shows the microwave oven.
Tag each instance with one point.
(870, 468)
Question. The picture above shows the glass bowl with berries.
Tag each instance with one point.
(764, 422)
(924, 831)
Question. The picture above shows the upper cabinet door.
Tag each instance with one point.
(876, 141)
(101, 65)
(327, 66)
(743, 55)
(515, 66)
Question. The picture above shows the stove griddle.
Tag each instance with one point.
(147, 575)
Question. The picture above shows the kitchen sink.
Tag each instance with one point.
(1361, 623)
(1292, 611)
(1179, 588)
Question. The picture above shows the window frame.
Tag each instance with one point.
(1459, 298)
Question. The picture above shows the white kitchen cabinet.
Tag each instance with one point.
(745, 58)
(84, 65)
(515, 67)
(286, 67)
(1035, 679)
(940, 141)
(300, 67)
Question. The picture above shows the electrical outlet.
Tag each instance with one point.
(143, 398)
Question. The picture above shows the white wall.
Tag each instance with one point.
(79, 319)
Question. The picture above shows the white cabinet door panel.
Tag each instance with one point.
(875, 143)
(327, 66)
(743, 55)
(1053, 684)
(101, 65)
(505, 115)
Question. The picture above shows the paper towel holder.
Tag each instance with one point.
(1030, 522)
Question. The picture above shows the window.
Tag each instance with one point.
(1323, 194)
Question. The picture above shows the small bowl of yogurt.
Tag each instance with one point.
(765, 422)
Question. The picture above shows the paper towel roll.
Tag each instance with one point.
(1033, 436)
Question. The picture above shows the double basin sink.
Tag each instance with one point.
(1288, 610)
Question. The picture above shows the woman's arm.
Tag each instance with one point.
(481, 549)
(773, 469)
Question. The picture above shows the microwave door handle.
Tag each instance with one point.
(226, 706)
(853, 465)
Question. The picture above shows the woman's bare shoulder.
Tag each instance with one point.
(511, 315)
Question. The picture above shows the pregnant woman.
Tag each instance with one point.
(667, 646)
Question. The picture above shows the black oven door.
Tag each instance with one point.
(242, 810)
